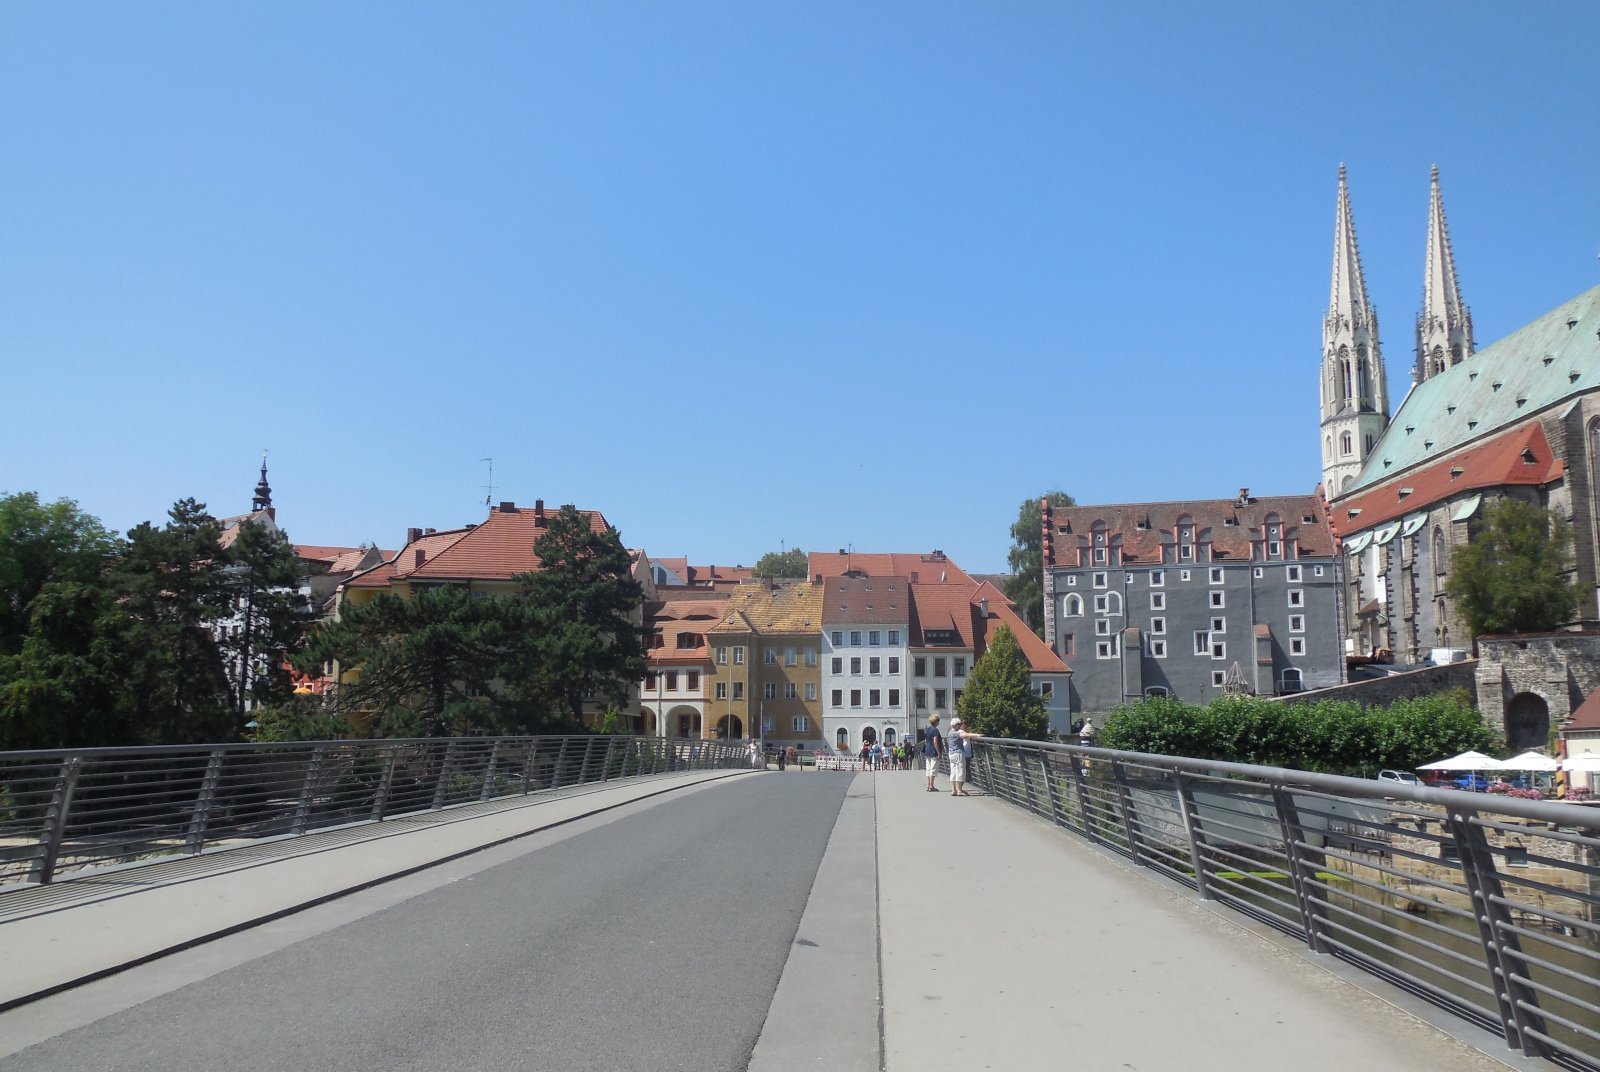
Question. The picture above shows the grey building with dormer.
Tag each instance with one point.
(1192, 599)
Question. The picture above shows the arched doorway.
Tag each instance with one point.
(888, 737)
(647, 722)
(730, 727)
(684, 722)
(841, 739)
(869, 735)
(1527, 722)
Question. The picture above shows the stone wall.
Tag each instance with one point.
(1380, 692)
(1561, 669)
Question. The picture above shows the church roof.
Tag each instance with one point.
(1534, 368)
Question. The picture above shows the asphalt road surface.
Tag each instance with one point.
(649, 939)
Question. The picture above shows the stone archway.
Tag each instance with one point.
(730, 728)
(1527, 722)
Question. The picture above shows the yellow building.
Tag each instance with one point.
(765, 681)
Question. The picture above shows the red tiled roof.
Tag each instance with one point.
(1587, 716)
(1497, 462)
(1042, 659)
(403, 564)
(1231, 526)
(960, 608)
(933, 568)
(321, 552)
(866, 601)
(496, 550)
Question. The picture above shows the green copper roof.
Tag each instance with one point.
(1535, 367)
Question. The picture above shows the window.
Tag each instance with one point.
(874, 664)
(1074, 606)
(1219, 649)
(672, 681)
(1099, 556)
(1105, 649)
(1156, 690)
(1102, 627)
(1294, 574)
(1158, 626)
(921, 697)
(957, 699)
(1297, 623)
(772, 657)
(1344, 442)
(1158, 601)
(838, 665)
(1219, 625)
(1072, 580)
(1183, 575)
(1259, 572)
(811, 690)
(1217, 677)
(841, 739)
(800, 723)
(894, 697)
(855, 665)
(1202, 641)
(1158, 578)
(1297, 598)
(855, 697)
(919, 666)
(771, 691)
(855, 638)
(738, 690)
(894, 637)
(811, 656)
(958, 666)
(790, 657)
(873, 637)
(1067, 648)
(938, 699)
(1099, 580)
(1100, 604)
(1297, 645)
(838, 639)
(894, 664)
(1274, 549)
(694, 681)
(650, 682)
(738, 654)
(1316, 571)
(722, 655)
(1292, 680)
(873, 696)
(791, 690)
(1158, 648)
(1047, 689)
(1185, 553)
(938, 666)
(837, 699)
(722, 690)
(1219, 599)
(1216, 575)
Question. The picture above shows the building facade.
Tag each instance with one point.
(765, 680)
(866, 625)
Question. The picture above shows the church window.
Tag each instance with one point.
(1345, 443)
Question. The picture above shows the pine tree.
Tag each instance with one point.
(270, 615)
(999, 700)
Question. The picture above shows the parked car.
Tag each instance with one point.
(1401, 776)
(1471, 780)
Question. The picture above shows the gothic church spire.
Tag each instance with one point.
(1355, 387)
(1444, 326)
(263, 499)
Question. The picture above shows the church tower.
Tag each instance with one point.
(1355, 388)
(1444, 326)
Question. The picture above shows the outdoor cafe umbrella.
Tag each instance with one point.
(1530, 761)
(1467, 761)
(1583, 761)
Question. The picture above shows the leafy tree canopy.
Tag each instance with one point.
(999, 700)
(1512, 577)
(41, 544)
(1025, 587)
(790, 563)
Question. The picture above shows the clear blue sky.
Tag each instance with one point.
(818, 274)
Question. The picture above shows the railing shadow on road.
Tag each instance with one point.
(1487, 907)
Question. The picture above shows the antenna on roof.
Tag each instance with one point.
(488, 499)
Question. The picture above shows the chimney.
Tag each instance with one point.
(508, 508)
(539, 521)
(842, 551)
(819, 578)
(421, 557)
(983, 608)
(413, 535)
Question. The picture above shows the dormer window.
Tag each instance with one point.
(1455, 471)
(1406, 491)
(1528, 457)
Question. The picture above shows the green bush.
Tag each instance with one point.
(1330, 736)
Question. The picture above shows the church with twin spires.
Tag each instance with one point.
(1519, 418)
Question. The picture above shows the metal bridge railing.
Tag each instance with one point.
(1485, 905)
(95, 807)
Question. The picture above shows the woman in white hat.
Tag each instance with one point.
(960, 751)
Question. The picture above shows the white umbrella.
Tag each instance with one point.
(1465, 761)
(1583, 761)
(1530, 761)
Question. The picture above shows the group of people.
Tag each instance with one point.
(957, 745)
(875, 756)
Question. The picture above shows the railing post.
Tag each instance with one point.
(561, 763)
(380, 800)
(441, 788)
(1049, 786)
(1302, 871)
(527, 768)
(1125, 805)
(1080, 784)
(588, 755)
(1519, 1003)
(55, 821)
(200, 817)
(308, 790)
(1197, 838)
(488, 772)
(605, 761)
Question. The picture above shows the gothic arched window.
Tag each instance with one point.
(1346, 444)
(1438, 551)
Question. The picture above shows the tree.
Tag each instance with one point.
(1512, 576)
(68, 685)
(40, 545)
(426, 662)
(999, 700)
(1025, 587)
(270, 615)
(582, 600)
(790, 563)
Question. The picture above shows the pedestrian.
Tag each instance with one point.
(783, 757)
(960, 752)
(1086, 732)
(932, 748)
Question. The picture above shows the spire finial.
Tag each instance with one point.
(263, 498)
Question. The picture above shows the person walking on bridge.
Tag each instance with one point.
(932, 748)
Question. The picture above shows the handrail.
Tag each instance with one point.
(1487, 906)
(83, 808)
